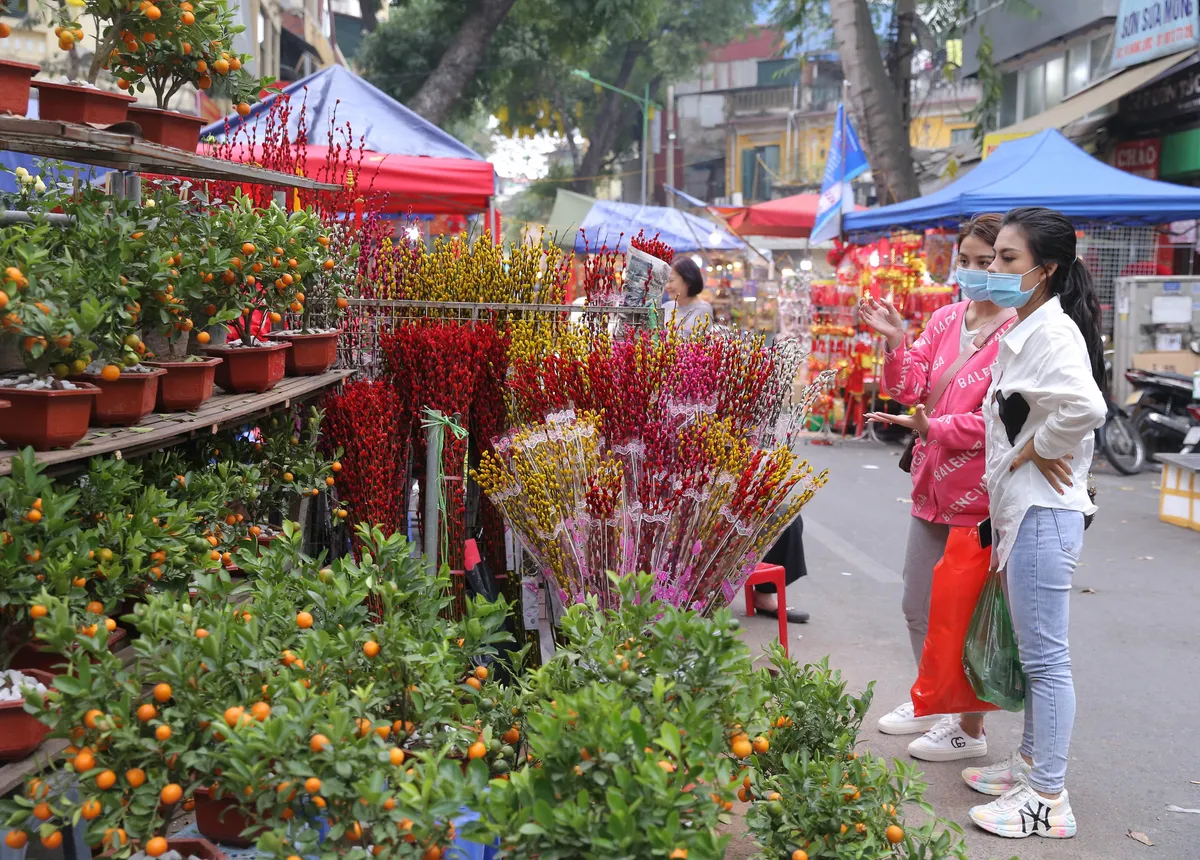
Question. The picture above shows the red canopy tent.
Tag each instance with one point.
(435, 186)
(788, 217)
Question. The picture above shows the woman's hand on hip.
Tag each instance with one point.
(918, 422)
(883, 317)
(1058, 473)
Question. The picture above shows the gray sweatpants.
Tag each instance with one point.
(926, 544)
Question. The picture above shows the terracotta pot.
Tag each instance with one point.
(222, 820)
(196, 847)
(187, 384)
(311, 353)
(14, 86)
(249, 368)
(168, 127)
(21, 733)
(126, 400)
(36, 658)
(46, 419)
(73, 103)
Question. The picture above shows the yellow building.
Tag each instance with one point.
(780, 135)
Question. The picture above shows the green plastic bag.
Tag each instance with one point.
(990, 656)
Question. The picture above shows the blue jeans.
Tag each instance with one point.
(1039, 571)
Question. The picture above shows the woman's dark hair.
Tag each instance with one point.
(687, 269)
(985, 227)
(1051, 239)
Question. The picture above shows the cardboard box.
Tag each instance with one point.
(1186, 362)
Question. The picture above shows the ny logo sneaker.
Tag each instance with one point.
(1023, 812)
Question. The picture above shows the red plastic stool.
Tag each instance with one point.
(775, 574)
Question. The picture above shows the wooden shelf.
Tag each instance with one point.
(13, 773)
(161, 430)
(122, 150)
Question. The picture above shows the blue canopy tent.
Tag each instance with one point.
(385, 125)
(1043, 170)
(607, 220)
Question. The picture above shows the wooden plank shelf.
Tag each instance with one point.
(161, 430)
(119, 147)
(13, 773)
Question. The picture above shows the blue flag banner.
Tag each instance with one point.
(845, 162)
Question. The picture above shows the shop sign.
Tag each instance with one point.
(1172, 97)
(1139, 157)
(1148, 29)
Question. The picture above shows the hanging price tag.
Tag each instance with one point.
(530, 603)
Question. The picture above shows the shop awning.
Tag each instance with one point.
(790, 217)
(1091, 99)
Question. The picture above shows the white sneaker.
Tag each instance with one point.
(996, 779)
(1023, 812)
(947, 742)
(903, 722)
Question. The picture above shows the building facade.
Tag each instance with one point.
(754, 125)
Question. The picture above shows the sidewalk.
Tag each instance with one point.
(1136, 745)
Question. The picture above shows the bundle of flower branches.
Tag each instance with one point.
(363, 420)
(696, 506)
(641, 380)
(653, 454)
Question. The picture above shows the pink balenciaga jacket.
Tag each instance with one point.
(947, 467)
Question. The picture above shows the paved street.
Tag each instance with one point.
(1136, 745)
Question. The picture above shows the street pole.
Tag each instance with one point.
(647, 106)
(645, 143)
(671, 139)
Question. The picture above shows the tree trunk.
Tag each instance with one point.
(442, 88)
(888, 147)
(370, 14)
(606, 127)
(905, 12)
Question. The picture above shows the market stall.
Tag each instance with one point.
(787, 217)
(1117, 212)
(823, 314)
(410, 167)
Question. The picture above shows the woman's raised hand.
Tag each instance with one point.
(883, 317)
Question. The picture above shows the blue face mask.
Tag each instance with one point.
(1005, 290)
(973, 282)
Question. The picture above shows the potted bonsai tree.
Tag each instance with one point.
(14, 76)
(106, 252)
(166, 324)
(83, 101)
(42, 550)
(250, 293)
(173, 45)
(50, 332)
(326, 268)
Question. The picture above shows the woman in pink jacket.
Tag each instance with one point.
(945, 376)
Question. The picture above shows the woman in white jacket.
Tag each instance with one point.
(1040, 413)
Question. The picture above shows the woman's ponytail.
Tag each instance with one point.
(1051, 239)
(1077, 293)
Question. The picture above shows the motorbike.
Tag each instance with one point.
(1118, 439)
(1164, 409)
(1192, 440)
